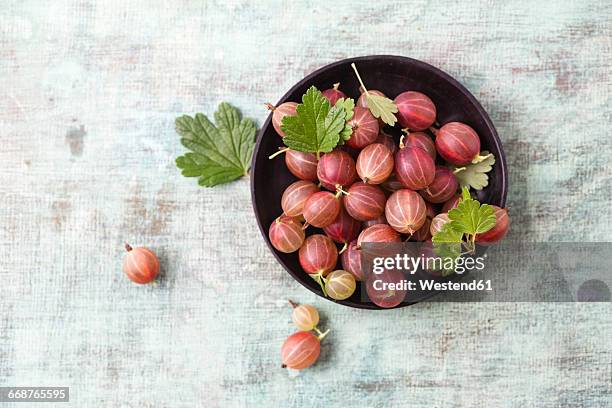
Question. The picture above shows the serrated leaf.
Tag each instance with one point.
(382, 107)
(447, 244)
(471, 217)
(475, 175)
(349, 108)
(316, 127)
(219, 154)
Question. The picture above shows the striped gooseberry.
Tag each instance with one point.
(451, 203)
(318, 255)
(301, 165)
(378, 233)
(419, 139)
(387, 140)
(457, 143)
(321, 209)
(140, 264)
(438, 222)
(381, 293)
(379, 220)
(365, 128)
(443, 186)
(415, 110)
(279, 112)
(305, 317)
(423, 233)
(414, 167)
(405, 211)
(336, 169)
(499, 231)
(351, 260)
(375, 163)
(294, 197)
(340, 284)
(286, 234)
(300, 350)
(364, 201)
(333, 94)
(344, 229)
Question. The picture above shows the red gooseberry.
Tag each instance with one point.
(344, 229)
(301, 165)
(405, 211)
(318, 255)
(279, 112)
(415, 110)
(336, 169)
(321, 209)
(451, 203)
(351, 260)
(378, 233)
(419, 139)
(379, 290)
(414, 167)
(333, 94)
(364, 201)
(365, 128)
(374, 164)
(499, 231)
(295, 196)
(443, 186)
(286, 234)
(140, 264)
(457, 143)
(300, 350)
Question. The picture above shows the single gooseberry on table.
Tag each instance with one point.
(443, 186)
(279, 112)
(340, 285)
(499, 231)
(405, 211)
(318, 255)
(364, 201)
(286, 234)
(336, 169)
(457, 143)
(140, 264)
(305, 317)
(365, 128)
(414, 167)
(375, 163)
(333, 94)
(415, 110)
(321, 209)
(295, 196)
(300, 350)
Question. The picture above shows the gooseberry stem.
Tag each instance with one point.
(344, 247)
(459, 170)
(128, 247)
(401, 142)
(322, 335)
(359, 78)
(270, 106)
(293, 304)
(281, 151)
(480, 158)
(433, 130)
(340, 191)
(336, 86)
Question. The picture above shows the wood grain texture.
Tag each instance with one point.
(89, 94)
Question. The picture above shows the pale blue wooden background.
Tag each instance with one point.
(89, 93)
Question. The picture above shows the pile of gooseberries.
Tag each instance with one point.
(374, 188)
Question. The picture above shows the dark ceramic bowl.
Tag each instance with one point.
(391, 75)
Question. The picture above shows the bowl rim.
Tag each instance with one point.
(500, 161)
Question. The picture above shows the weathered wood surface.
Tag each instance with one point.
(89, 93)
